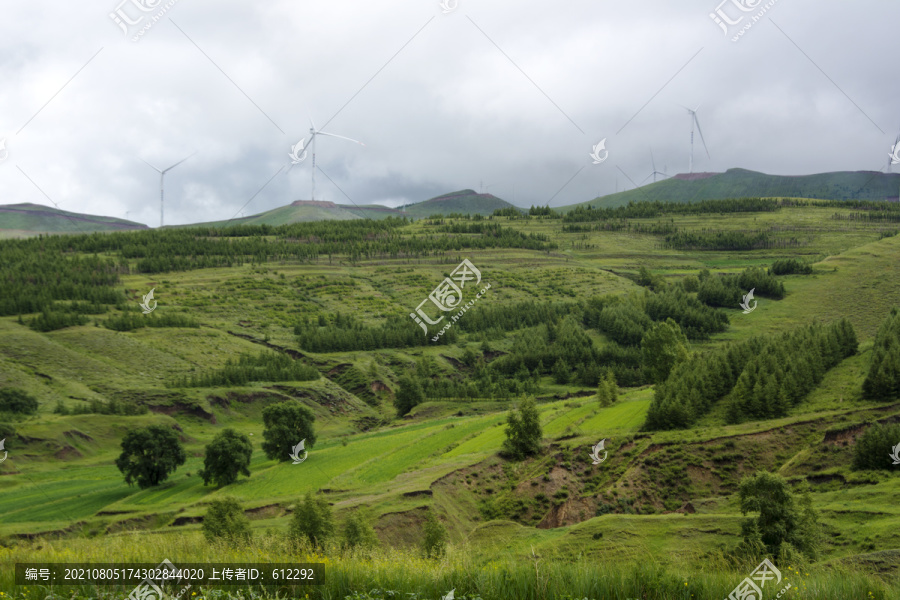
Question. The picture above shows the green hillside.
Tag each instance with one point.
(568, 302)
(23, 220)
(464, 202)
(739, 183)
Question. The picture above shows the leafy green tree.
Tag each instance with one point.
(782, 519)
(312, 521)
(225, 519)
(14, 400)
(523, 431)
(873, 449)
(409, 394)
(286, 424)
(561, 372)
(434, 536)
(662, 347)
(227, 456)
(607, 389)
(358, 533)
(150, 455)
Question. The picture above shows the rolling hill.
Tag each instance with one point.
(738, 183)
(25, 220)
(551, 526)
(462, 202)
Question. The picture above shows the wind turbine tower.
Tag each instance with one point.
(313, 132)
(695, 123)
(655, 172)
(162, 176)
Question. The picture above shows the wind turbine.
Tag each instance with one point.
(162, 176)
(313, 132)
(695, 122)
(655, 172)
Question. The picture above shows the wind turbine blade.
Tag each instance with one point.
(151, 166)
(340, 136)
(700, 131)
(652, 160)
(648, 177)
(178, 163)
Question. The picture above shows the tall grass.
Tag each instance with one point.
(394, 573)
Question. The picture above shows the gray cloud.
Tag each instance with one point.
(448, 111)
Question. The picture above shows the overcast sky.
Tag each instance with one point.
(508, 94)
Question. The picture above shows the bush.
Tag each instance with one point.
(434, 537)
(358, 533)
(225, 519)
(875, 446)
(287, 423)
(312, 521)
(227, 456)
(14, 400)
(790, 266)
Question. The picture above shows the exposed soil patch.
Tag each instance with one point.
(186, 521)
(417, 493)
(401, 528)
(75, 433)
(184, 409)
(296, 355)
(67, 452)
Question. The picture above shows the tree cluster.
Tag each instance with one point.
(729, 290)
(790, 266)
(874, 448)
(763, 376)
(882, 382)
(265, 366)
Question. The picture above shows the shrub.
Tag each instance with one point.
(358, 532)
(434, 537)
(225, 519)
(789, 266)
(14, 400)
(312, 521)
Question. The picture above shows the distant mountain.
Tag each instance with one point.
(464, 202)
(300, 211)
(737, 183)
(26, 220)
